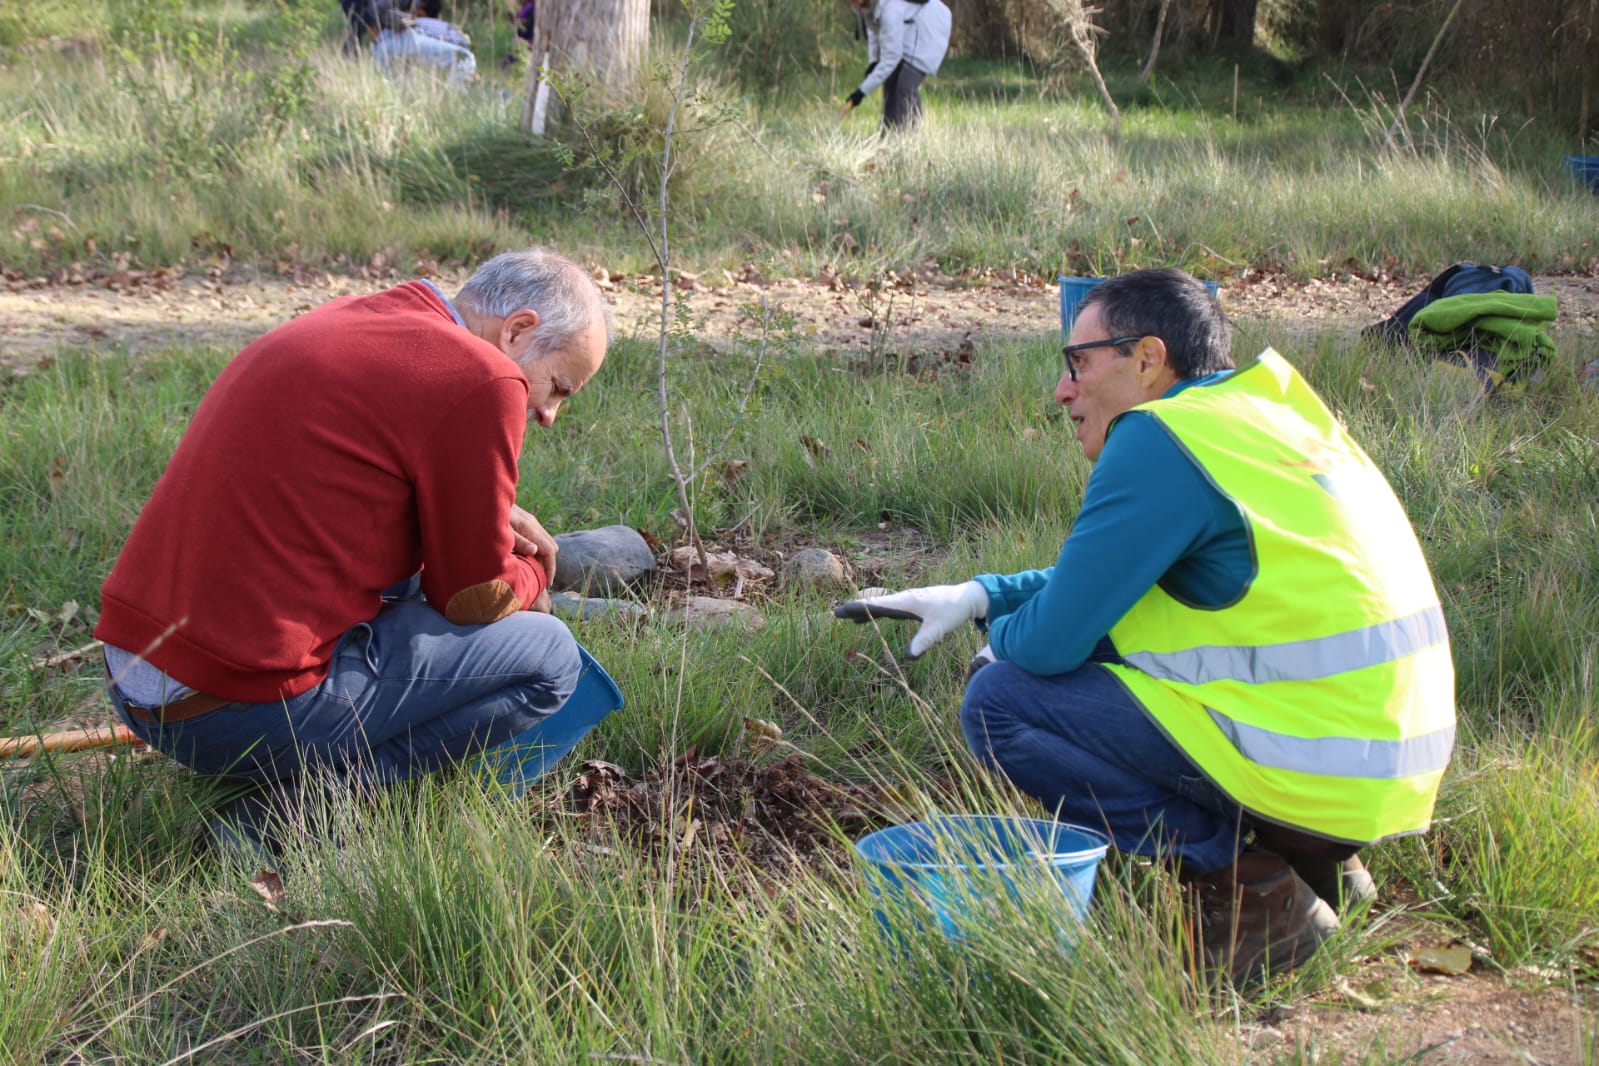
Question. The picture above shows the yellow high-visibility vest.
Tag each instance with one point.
(1323, 697)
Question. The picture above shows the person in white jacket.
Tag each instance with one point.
(905, 43)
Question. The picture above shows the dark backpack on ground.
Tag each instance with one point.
(1458, 280)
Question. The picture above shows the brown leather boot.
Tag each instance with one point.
(1342, 884)
(1256, 917)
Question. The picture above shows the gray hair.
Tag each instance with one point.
(538, 279)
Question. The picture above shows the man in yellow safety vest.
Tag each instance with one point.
(1238, 660)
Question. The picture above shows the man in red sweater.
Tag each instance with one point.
(251, 623)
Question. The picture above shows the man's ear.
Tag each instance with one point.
(1152, 358)
(516, 327)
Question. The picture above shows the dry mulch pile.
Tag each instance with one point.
(774, 817)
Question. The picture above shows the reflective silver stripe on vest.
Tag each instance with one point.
(1339, 756)
(1298, 660)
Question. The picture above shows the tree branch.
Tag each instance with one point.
(1399, 117)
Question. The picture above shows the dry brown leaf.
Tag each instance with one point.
(761, 736)
(60, 616)
(726, 567)
(605, 769)
(30, 921)
(815, 446)
(1453, 960)
(270, 886)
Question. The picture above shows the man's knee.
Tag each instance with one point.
(548, 648)
(986, 713)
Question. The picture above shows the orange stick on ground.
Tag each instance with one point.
(68, 740)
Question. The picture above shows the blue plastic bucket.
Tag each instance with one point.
(1072, 291)
(1585, 168)
(528, 756)
(956, 869)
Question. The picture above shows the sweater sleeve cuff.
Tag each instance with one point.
(996, 604)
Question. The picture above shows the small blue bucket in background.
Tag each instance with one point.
(959, 868)
(1585, 168)
(528, 756)
(1072, 291)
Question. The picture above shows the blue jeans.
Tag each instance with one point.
(406, 693)
(1084, 748)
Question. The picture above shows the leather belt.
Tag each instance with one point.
(191, 706)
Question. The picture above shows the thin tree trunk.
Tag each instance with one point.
(1426, 61)
(1154, 47)
(1077, 17)
(602, 41)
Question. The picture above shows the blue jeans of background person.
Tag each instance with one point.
(1085, 749)
(398, 51)
(406, 693)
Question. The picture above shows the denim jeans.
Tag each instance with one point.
(402, 50)
(1084, 748)
(406, 693)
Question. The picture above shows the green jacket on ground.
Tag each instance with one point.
(1513, 325)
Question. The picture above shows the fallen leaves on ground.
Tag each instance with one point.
(1454, 960)
(269, 886)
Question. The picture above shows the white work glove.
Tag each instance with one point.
(941, 609)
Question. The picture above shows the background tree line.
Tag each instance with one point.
(1540, 55)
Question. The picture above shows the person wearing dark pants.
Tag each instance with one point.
(1238, 662)
(905, 43)
(262, 621)
(902, 96)
(361, 17)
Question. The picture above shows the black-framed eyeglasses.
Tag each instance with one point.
(1070, 351)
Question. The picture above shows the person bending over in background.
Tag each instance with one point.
(411, 38)
(261, 621)
(425, 20)
(905, 43)
(1238, 661)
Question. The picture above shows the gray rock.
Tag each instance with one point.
(601, 561)
(571, 605)
(703, 613)
(815, 568)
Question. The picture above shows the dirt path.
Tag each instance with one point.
(142, 311)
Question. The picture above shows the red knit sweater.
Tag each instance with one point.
(332, 458)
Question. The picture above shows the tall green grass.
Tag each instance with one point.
(240, 131)
(454, 923)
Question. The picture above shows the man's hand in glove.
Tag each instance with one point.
(941, 609)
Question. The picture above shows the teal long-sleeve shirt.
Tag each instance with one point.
(1150, 516)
